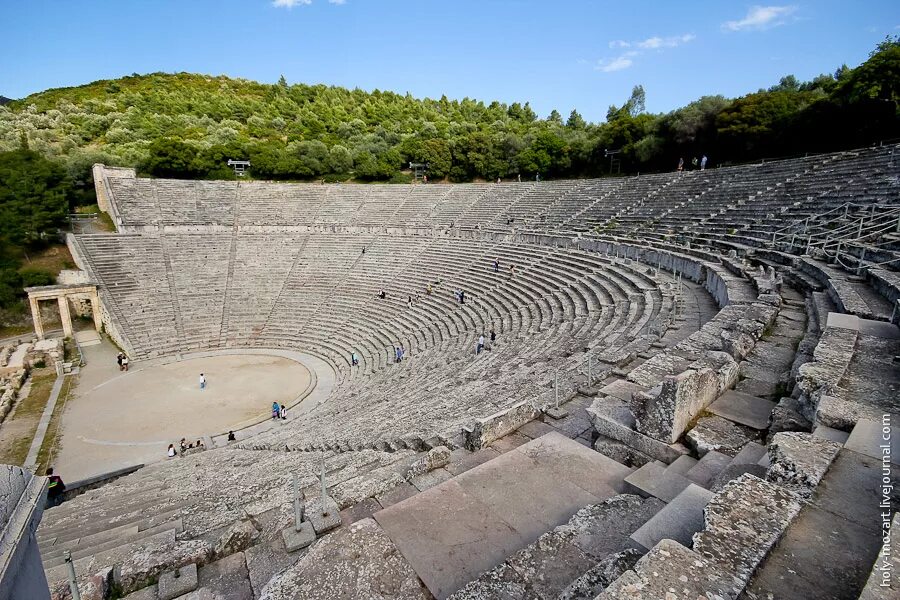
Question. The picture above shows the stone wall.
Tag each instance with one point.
(22, 497)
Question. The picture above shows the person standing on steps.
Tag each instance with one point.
(493, 337)
(354, 360)
(681, 164)
(703, 163)
(55, 489)
(119, 358)
(231, 437)
(496, 265)
(202, 382)
(283, 413)
(480, 345)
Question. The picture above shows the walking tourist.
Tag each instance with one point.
(493, 336)
(276, 410)
(354, 360)
(125, 362)
(202, 381)
(283, 412)
(480, 345)
(382, 295)
(703, 163)
(496, 265)
(119, 358)
(462, 297)
(409, 302)
(55, 489)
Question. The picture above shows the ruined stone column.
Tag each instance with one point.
(95, 310)
(36, 317)
(65, 316)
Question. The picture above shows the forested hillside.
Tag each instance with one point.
(186, 125)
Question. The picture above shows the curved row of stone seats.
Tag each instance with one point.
(725, 199)
(436, 376)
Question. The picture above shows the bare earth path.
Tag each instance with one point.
(117, 419)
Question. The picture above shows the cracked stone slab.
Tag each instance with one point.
(799, 460)
(358, 561)
(672, 572)
(744, 521)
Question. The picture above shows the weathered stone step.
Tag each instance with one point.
(708, 467)
(678, 520)
(744, 409)
(55, 557)
(654, 480)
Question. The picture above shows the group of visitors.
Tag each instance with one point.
(122, 360)
(279, 411)
(184, 446)
(694, 163)
(479, 345)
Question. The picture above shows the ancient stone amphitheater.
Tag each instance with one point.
(690, 394)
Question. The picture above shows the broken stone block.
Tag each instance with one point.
(744, 521)
(598, 577)
(238, 537)
(655, 575)
(141, 568)
(665, 411)
(798, 461)
(435, 459)
(787, 416)
(373, 569)
(721, 435)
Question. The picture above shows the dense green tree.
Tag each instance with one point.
(34, 198)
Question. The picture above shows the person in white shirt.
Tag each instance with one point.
(202, 381)
(480, 345)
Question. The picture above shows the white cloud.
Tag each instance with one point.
(761, 17)
(337, 1)
(627, 58)
(656, 42)
(618, 63)
(290, 3)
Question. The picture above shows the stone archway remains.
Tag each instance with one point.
(62, 294)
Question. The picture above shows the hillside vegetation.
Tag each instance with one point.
(187, 125)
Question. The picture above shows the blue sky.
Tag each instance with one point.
(564, 54)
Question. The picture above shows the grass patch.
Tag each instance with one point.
(52, 259)
(50, 447)
(14, 330)
(19, 428)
